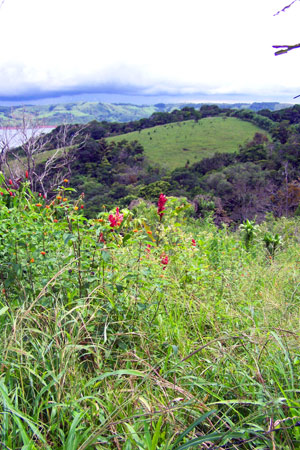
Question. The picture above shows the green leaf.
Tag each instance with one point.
(121, 372)
(192, 426)
(126, 238)
(72, 438)
(208, 438)
(156, 434)
(19, 418)
(105, 255)
(3, 310)
(69, 237)
(134, 436)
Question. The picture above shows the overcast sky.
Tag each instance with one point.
(159, 49)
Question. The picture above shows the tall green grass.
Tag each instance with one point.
(103, 346)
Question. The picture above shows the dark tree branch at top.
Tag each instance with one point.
(285, 48)
(285, 8)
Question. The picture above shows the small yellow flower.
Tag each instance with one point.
(65, 199)
(59, 197)
(75, 207)
(66, 180)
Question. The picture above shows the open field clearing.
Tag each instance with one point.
(172, 145)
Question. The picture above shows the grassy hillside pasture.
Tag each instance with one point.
(172, 145)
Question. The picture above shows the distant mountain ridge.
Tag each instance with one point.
(84, 112)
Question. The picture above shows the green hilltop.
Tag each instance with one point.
(173, 145)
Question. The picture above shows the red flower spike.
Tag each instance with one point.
(10, 182)
(164, 260)
(26, 174)
(161, 205)
(193, 243)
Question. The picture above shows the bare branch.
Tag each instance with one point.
(285, 8)
(285, 48)
(21, 162)
(58, 166)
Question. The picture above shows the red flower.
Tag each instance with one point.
(148, 249)
(26, 174)
(161, 205)
(101, 238)
(10, 182)
(115, 220)
(164, 260)
(193, 243)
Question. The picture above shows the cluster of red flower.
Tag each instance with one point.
(164, 260)
(115, 220)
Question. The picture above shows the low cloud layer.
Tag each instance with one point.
(149, 50)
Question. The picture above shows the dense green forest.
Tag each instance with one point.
(258, 176)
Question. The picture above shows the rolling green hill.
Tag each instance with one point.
(81, 112)
(84, 112)
(172, 145)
